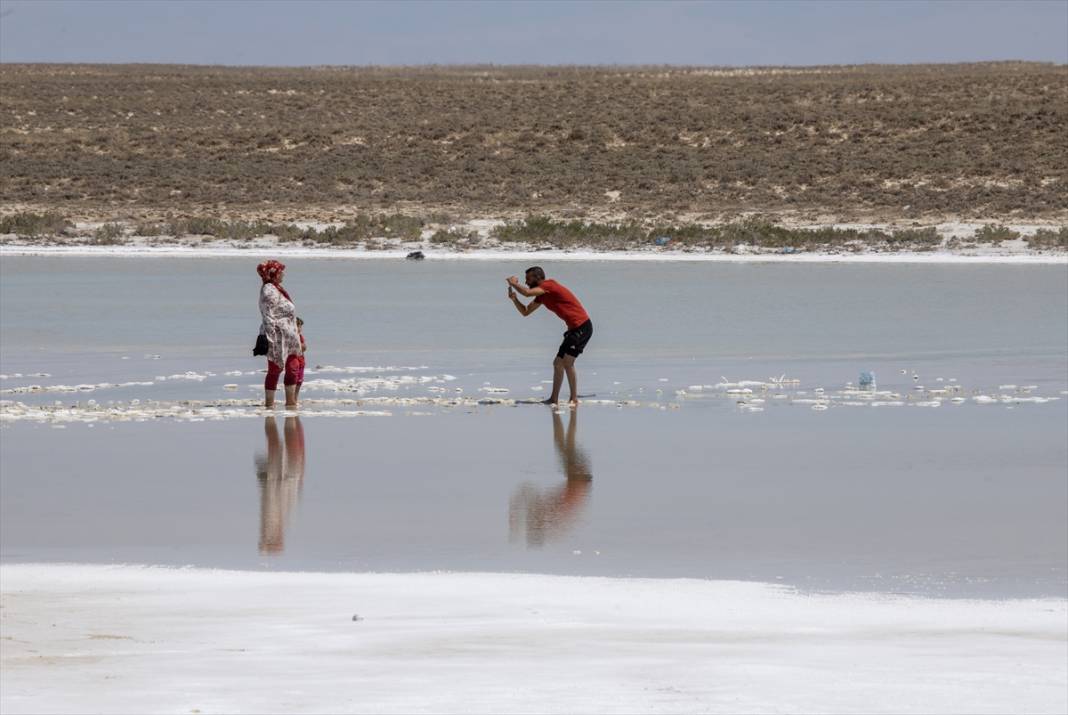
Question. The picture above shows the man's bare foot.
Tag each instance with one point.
(549, 401)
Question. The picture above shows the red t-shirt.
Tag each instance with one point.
(562, 302)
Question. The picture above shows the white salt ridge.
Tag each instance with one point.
(190, 375)
(365, 385)
(1013, 399)
(226, 409)
(354, 370)
(851, 396)
(522, 253)
(71, 388)
(135, 411)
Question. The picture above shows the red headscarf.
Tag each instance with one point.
(269, 271)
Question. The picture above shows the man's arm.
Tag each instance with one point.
(524, 310)
(528, 292)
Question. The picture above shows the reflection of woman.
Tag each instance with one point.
(280, 480)
(280, 326)
(549, 515)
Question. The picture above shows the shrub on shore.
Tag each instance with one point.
(566, 234)
(995, 234)
(376, 232)
(446, 237)
(27, 224)
(755, 232)
(359, 229)
(1045, 239)
(110, 234)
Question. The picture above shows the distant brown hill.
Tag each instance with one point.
(978, 141)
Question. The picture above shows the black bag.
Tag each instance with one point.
(261, 345)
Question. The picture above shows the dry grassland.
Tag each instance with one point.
(928, 143)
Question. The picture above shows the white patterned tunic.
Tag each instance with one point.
(279, 324)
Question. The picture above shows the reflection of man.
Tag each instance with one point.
(549, 515)
(281, 479)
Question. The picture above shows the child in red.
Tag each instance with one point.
(300, 358)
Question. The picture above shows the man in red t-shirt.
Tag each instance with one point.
(567, 307)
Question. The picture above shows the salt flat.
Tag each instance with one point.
(135, 639)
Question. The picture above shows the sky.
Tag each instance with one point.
(546, 32)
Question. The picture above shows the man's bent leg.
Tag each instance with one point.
(558, 380)
(572, 377)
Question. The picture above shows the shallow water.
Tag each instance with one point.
(679, 479)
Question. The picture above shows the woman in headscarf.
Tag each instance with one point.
(280, 326)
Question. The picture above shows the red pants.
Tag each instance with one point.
(270, 383)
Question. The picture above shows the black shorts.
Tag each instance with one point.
(575, 340)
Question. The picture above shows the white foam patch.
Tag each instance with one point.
(195, 376)
(85, 387)
(360, 370)
(744, 392)
(137, 410)
(364, 385)
(184, 411)
(438, 642)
